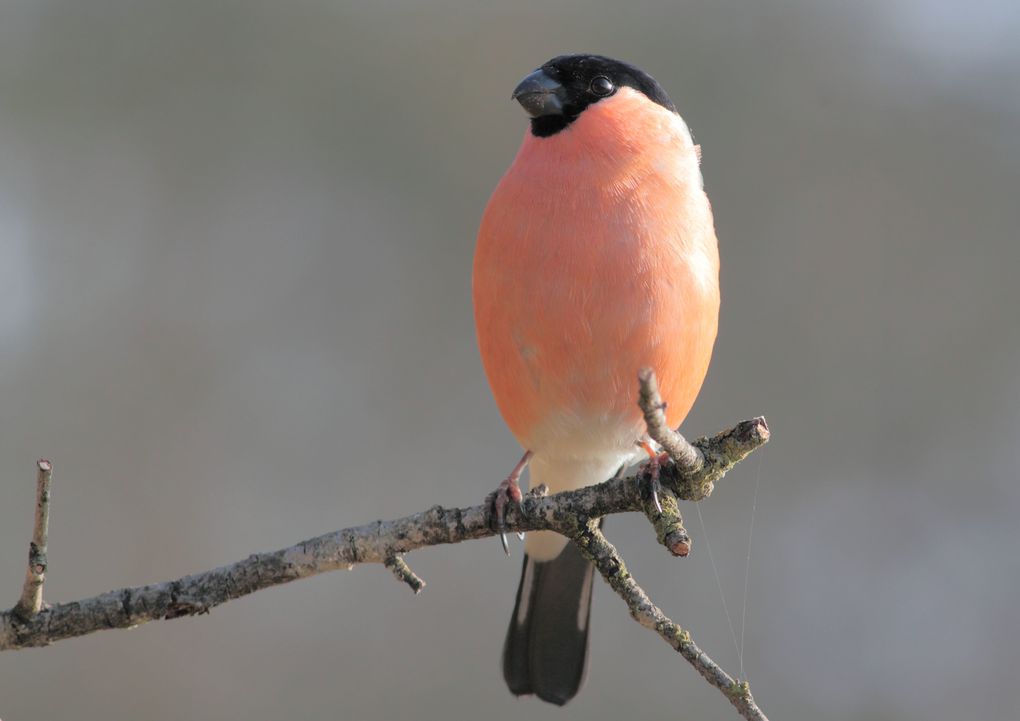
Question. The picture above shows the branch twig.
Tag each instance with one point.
(31, 601)
(654, 408)
(597, 549)
(573, 513)
(403, 572)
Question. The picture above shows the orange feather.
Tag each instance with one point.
(596, 256)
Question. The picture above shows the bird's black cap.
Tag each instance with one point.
(559, 91)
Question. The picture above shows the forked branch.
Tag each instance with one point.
(690, 476)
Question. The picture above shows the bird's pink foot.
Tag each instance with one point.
(653, 467)
(509, 491)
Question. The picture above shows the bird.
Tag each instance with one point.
(596, 256)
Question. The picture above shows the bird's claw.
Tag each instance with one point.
(653, 467)
(654, 484)
(509, 491)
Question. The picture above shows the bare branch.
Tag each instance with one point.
(597, 549)
(654, 408)
(573, 514)
(31, 601)
(374, 542)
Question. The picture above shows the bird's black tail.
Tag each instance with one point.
(546, 647)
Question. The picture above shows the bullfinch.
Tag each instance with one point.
(596, 256)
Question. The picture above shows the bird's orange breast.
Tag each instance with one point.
(597, 256)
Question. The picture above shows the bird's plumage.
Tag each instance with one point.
(596, 256)
(545, 652)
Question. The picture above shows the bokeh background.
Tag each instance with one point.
(235, 250)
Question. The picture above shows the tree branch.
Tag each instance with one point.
(31, 601)
(691, 476)
(597, 549)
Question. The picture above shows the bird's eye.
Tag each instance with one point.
(601, 86)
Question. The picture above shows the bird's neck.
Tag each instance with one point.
(625, 138)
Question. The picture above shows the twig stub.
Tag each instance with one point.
(403, 572)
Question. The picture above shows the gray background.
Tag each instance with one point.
(235, 249)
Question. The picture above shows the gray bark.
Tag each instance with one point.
(690, 476)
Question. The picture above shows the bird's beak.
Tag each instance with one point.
(539, 95)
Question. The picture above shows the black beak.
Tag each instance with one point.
(539, 95)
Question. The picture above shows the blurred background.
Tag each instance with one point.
(235, 252)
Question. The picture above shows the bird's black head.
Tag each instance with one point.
(559, 91)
